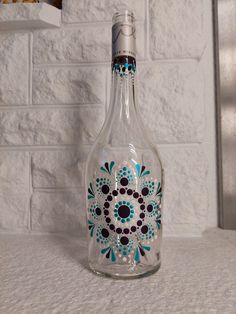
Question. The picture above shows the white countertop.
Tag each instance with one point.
(48, 274)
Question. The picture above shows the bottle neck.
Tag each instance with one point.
(123, 104)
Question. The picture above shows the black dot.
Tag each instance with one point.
(145, 191)
(124, 240)
(98, 211)
(106, 212)
(105, 233)
(108, 220)
(135, 195)
(129, 67)
(115, 193)
(144, 229)
(142, 215)
(106, 204)
(109, 198)
(139, 222)
(142, 207)
(118, 230)
(124, 181)
(122, 191)
(105, 189)
(126, 230)
(123, 69)
(133, 228)
(140, 200)
(112, 227)
(123, 211)
(150, 208)
(129, 192)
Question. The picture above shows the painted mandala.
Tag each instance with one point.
(124, 220)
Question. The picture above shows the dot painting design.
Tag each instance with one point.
(123, 69)
(124, 211)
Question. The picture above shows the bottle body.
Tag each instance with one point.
(124, 179)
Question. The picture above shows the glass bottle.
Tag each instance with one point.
(124, 175)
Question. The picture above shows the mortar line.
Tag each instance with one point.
(30, 68)
(107, 63)
(30, 193)
(58, 189)
(147, 31)
(85, 146)
(51, 106)
(93, 23)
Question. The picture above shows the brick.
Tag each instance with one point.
(62, 211)
(171, 101)
(185, 190)
(176, 29)
(14, 189)
(13, 69)
(69, 86)
(93, 10)
(50, 126)
(53, 169)
(79, 45)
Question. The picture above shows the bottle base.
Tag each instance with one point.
(124, 272)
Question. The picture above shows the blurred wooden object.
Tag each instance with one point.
(55, 3)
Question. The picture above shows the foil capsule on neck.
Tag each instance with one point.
(123, 35)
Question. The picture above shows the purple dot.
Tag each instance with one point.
(106, 212)
(135, 195)
(139, 223)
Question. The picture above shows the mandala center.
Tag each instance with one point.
(124, 217)
(124, 211)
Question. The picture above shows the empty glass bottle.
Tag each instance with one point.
(124, 175)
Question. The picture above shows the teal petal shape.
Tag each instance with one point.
(111, 166)
(147, 248)
(113, 257)
(91, 231)
(146, 173)
(103, 169)
(138, 168)
(137, 256)
(103, 251)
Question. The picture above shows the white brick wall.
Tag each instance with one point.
(54, 91)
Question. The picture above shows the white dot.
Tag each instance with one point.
(155, 236)
(152, 240)
(119, 255)
(124, 259)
